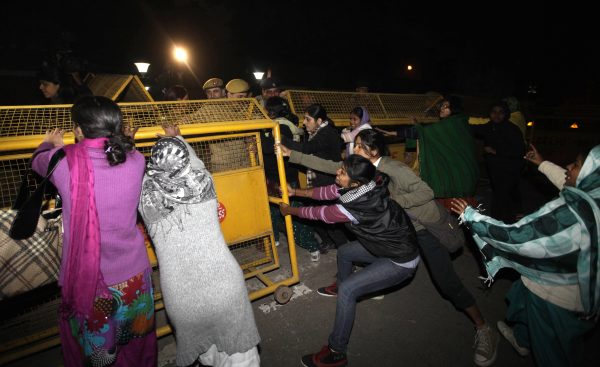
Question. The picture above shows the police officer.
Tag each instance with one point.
(238, 88)
(213, 88)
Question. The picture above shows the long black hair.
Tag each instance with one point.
(100, 117)
(372, 140)
(279, 107)
(317, 111)
(359, 169)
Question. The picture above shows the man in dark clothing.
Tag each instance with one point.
(504, 149)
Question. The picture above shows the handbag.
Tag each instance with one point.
(30, 243)
(29, 208)
(30, 263)
(447, 229)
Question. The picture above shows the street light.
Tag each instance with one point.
(180, 54)
(258, 75)
(409, 67)
(142, 67)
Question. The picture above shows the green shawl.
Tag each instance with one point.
(556, 245)
(447, 157)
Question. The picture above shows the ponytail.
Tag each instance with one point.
(100, 117)
(116, 148)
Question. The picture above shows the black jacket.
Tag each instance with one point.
(326, 144)
(383, 227)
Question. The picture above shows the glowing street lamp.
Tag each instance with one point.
(258, 75)
(409, 67)
(180, 54)
(142, 67)
(574, 126)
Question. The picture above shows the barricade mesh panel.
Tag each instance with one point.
(253, 253)
(36, 120)
(381, 106)
(11, 174)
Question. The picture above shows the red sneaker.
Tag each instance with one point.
(325, 358)
(329, 291)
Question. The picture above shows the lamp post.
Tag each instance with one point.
(142, 68)
(258, 75)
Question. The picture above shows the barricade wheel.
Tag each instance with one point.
(283, 294)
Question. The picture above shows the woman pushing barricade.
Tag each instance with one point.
(202, 284)
(107, 311)
(387, 243)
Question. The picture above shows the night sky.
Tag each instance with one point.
(487, 49)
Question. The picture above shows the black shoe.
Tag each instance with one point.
(324, 247)
(325, 358)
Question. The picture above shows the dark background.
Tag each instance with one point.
(484, 49)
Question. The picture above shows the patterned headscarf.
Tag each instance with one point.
(170, 181)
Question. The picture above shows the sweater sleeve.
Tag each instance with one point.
(325, 213)
(409, 190)
(329, 192)
(317, 144)
(554, 173)
(41, 158)
(314, 162)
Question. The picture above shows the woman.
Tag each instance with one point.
(359, 120)
(59, 87)
(386, 242)
(447, 160)
(414, 196)
(107, 310)
(202, 284)
(321, 140)
(557, 300)
(279, 110)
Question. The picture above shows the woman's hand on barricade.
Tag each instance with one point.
(284, 209)
(458, 206)
(534, 156)
(170, 130)
(285, 151)
(130, 131)
(55, 137)
(290, 189)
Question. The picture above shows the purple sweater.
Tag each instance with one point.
(327, 213)
(122, 249)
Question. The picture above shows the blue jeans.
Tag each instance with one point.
(381, 273)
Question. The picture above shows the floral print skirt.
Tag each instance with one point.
(115, 320)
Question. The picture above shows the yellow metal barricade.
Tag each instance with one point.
(384, 108)
(224, 135)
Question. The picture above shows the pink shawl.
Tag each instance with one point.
(82, 277)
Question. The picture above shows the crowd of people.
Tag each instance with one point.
(375, 211)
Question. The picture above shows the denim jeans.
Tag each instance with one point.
(381, 273)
